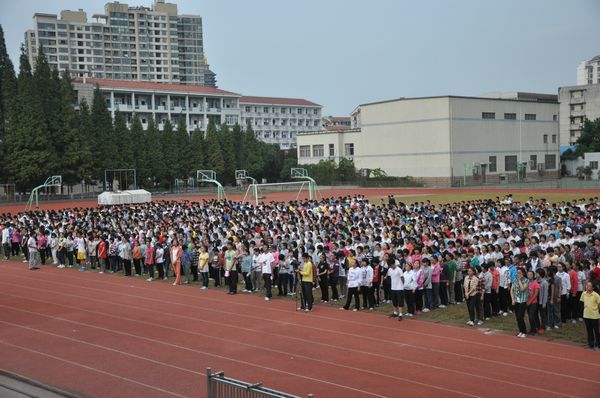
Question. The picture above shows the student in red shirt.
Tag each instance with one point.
(102, 254)
(532, 302)
(495, 289)
(573, 309)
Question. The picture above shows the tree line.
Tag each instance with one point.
(45, 131)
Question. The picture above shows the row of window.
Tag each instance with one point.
(510, 163)
(282, 110)
(318, 151)
(513, 116)
(276, 134)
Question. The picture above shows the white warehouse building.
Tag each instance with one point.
(447, 139)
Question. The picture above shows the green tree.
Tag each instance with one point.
(291, 160)
(197, 152)
(239, 150)
(123, 157)
(28, 156)
(255, 162)
(182, 140)
(8, 94)
(346, 170)
(228, 152)
(138, 137)
(75, 151)
(169, 151)
(589, 140)
(105, 148)
(214, 156)
(157, 166)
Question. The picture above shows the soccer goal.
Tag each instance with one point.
(210, 177)
(7, 192)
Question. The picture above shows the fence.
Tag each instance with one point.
(219, 386)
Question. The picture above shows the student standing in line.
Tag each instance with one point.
(353, 279)
(186, 263)
(591, 315)
(246, 262)
(564, 292)
(420, 279)
(410, 287)
(102, 254)
(159, 259)
(542, 299)
(136, 254)
(332, 276)
(283, 274)
(532, 302)
(266, 264)
(427, 286)
(126, 255)
(176, 254)
(322, 273)
(203, 265)
(149, 261)
(32, 246)
(231, 268)
(256, 270)
(470, 288)
(307, 283)
(396, 288)
(519, 295)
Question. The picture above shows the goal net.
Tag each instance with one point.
(278, 191)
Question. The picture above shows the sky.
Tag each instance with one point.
(343, 53)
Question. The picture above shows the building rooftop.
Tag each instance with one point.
(151, 86)
(277, 101)
(524, 97)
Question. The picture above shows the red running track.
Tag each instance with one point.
(112, 336)
(373, 193)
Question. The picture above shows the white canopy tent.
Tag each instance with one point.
(124, 197)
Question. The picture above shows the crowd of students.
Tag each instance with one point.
(497, 256)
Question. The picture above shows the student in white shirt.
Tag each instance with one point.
(564, 291)
(410, 287)
(266, 259)
(353, 276)
(396, 288)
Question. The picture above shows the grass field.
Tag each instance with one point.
(520, 196)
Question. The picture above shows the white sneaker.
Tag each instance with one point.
(487, 319)
(355, 310)
(505, 314)
(470, 323)
(580, 319)
(101, 272)
(556, 327)
(426, 310)
(574, 321)
(441, 306)
(149, 279)
(61, 266)
(480, 322)
(267, 299)
(203, 288)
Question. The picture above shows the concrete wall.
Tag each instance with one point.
(433, 139)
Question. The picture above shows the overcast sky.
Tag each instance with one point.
(341, 53)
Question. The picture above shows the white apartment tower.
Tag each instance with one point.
(588, 72)
(125, 43)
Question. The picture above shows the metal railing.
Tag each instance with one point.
(219, 386)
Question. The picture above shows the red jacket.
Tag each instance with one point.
(574, 281)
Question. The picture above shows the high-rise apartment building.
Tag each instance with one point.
(125, 43)
(577, 103)
(588, 72)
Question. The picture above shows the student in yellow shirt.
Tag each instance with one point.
(203, 258)
(591, 315)
(306, 273)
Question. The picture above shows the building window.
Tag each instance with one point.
(349, 149)
(555, 118)
(510, 163)
(554, 138)
(331, 150)
(247, 108)
(550, 162)
(488, 115)
(510, 116)
(492, 168)
(266, 109)
(545, 138)
(532, 162)
(594, 165)
(530, 116)
(318, 151)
